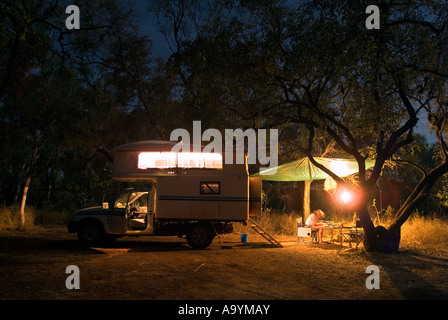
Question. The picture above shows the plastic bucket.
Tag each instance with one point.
(244, 238)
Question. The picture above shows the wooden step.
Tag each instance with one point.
(264, 234)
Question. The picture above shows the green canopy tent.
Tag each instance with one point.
(304, 170)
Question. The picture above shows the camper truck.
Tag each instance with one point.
(185, 193)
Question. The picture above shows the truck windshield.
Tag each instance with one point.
(131, 198)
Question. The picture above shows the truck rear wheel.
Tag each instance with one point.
(200, 236)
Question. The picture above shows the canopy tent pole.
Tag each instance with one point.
(306, 200)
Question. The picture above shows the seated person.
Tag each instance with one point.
(313, 222)
(137, 220)
(134, 213)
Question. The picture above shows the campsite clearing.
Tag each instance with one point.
(33, 265)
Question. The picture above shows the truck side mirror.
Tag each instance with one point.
(105, 205)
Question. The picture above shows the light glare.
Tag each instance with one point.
(346, 196)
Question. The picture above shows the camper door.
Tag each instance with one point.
(117, 215)
(140, 215)
(132, 212)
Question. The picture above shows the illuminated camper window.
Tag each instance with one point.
(147, 160)
(200, 160)
(156, 160)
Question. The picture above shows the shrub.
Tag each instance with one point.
(10, 218)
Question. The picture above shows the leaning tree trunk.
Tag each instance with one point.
(23, 203)
(25, 189)
(370, 237)
(379, 239)
(374, 237)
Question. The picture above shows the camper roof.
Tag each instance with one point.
(149, 145)
(139, 161)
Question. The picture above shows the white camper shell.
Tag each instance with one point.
(187, 192)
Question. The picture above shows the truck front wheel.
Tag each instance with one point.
(200, 236)
(90, 232)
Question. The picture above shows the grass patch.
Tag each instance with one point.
(272, 222)
(10, 218)
(428, 235)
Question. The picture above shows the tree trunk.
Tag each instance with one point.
(370, 235)
(23, 203)
(388, 241)
(306, 200)
(25, 189)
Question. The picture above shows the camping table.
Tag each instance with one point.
(350, 234)
(329, 228)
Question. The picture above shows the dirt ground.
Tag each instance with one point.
(33, 266)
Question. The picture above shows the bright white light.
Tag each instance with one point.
(200, 160)
(340, 168)
(156, 160)
(346, 196)
(163, 160)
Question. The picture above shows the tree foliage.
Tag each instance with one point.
(63, 97)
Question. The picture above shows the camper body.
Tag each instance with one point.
(183, 194)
